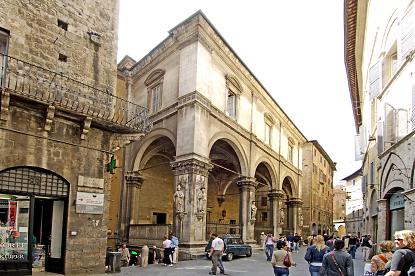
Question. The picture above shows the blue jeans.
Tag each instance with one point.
(296, 247)
(314, 270)
(269, 250)
(279, 271)
(352, 251)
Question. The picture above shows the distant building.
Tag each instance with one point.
(339, 209)
(379, 58)
(354, 203)
(318, 171)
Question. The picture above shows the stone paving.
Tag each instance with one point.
(255, 265)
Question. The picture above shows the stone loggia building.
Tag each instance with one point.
(379, 58)
(222, 155)
(60, 122)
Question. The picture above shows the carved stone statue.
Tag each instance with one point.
(179, 199)
(300, 219)
(201, 200)
(253, 211)
(282, 216)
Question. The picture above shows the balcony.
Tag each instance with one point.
(30, 82)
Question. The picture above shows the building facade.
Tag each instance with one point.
(379, 52)
(339, 210)
(60, 123)
(318, 171)
(354, 203)
(222, 155)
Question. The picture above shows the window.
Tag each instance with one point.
(231, 105)
(154, 83)
(234, 89)
(159, 218)
(264, 201)
(4, 44)
(371, 172)
(264, 216)
(290, 152)
(314, 168)
(390, 65)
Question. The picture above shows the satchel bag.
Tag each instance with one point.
(287, 261)
(335, 262)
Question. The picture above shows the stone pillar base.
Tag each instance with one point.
(193, 253)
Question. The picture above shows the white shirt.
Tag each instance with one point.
(167, 244)
(217, 244)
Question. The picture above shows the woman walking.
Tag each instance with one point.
(337, 262)
(404, 256)
(380, 261)
(314, 255)
(282, 259)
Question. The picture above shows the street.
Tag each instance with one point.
(255, 265)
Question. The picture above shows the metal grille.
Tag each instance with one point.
(33, 181)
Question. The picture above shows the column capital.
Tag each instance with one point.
(134, 179)
(191, 165)
(276, 194)
(245, 182)
(295, 201)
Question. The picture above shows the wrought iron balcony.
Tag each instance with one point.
(23, 79)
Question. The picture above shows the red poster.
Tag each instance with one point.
(12, 214)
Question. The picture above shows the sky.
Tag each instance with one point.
(294, 48)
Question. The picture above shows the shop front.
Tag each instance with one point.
(33, 212)
(396, 213)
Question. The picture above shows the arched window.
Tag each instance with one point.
(234, 89)
(154, 83)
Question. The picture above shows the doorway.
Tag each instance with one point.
(48, 233)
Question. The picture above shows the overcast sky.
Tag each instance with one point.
(294, 48)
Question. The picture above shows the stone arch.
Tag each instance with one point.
(288, 184)
(391, 24)
(151, 137)
(236, 146)
(154, 76)
(394, 174)
(267, 163)
(373, 204)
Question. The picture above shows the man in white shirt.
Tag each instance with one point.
(216, 251)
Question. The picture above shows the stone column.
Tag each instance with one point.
(247, 186)
(190, 218)
(382, 219)
(134, 181)
(275, 197)
(294, 205)
(409, 208)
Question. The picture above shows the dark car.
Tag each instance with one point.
(234, 246)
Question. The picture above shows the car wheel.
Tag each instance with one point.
(249, 254)
(229, 256)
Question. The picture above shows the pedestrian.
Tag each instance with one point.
(269, 246)
(175, 242)
(290, 239)
(337, 262)
(144, 256)
(282, 260)
(366, 247)
(314, 255)
(380, 261)
(156, 255)
(353, 241)
(216, 252)
(125, 255)
(167, 244)
(262, 240)
(346, 239)
(403, 259)
(296, 243)
(330, 244)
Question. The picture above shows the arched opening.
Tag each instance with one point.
(287, 209)
(263, 222)
(396, 211)
(222, 192)
(314, 229)
(155, 205)
(33, 211)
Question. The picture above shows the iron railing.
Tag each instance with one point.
(27, 80)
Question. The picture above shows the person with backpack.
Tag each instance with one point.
(403, 260)
(314, 255)
(382, 261)
(337, 262)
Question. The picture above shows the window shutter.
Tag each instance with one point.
(401, 123)
(390, 119)
(357, 153)
(407, 33)
(363, 138)
(375, 84)
(380, 137)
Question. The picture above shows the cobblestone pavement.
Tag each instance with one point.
(255, 265)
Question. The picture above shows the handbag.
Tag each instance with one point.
(335, 262)
(287, 261)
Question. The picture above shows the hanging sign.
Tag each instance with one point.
(89, 203)
(396, 201)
